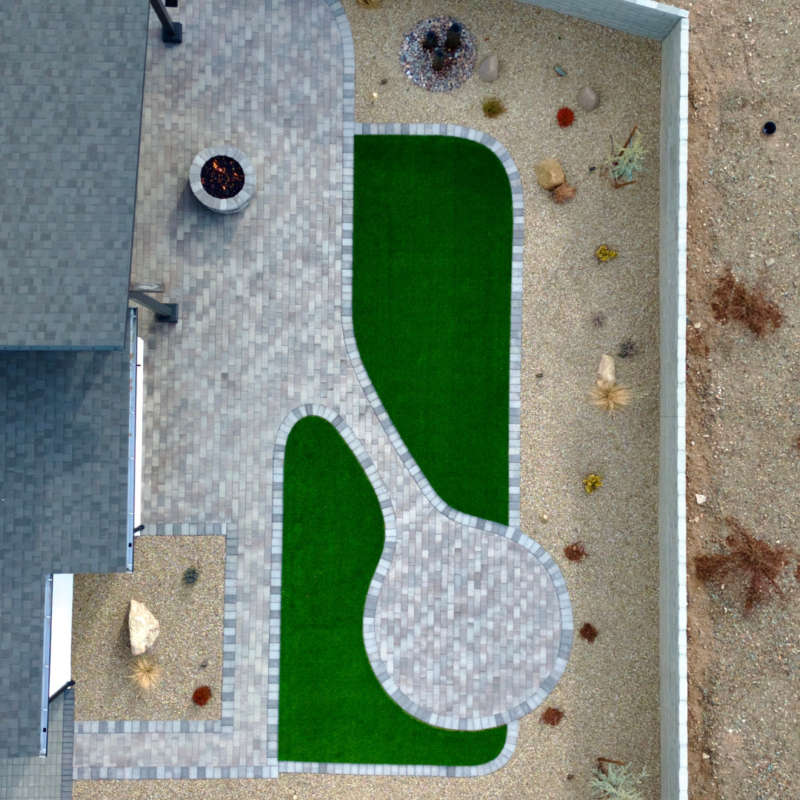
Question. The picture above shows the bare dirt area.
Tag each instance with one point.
(743, 417)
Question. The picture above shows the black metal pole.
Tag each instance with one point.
(167, 312)
(453, 41)
(430, 41)
(438, 59)
(171, 32)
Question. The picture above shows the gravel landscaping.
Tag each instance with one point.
(190, 618)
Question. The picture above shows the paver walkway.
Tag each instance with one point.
(263, 339)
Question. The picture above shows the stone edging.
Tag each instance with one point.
(351, 128)
(390, 543)
(225, 724)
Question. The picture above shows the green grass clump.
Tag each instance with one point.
(332, 707)
(432, 239)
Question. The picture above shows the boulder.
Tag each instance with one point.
(143, 627)
(489, 69)
(606, 372)
(549, 174)
(588, 99)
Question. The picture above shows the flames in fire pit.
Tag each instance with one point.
(222, 177)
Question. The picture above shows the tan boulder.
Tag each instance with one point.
(607, 371)
(549, 174)
(143, 627)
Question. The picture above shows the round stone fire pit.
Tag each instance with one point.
(223, 179)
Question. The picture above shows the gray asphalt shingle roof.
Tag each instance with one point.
(71, 88)
(63, 504)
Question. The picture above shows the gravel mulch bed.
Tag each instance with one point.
(190, 617)
(417, 62)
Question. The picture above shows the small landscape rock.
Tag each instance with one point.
(770, 262)
(701, 498)
(549, 174)
(706, 755)
(489, 69)
(588, 99)
(143, 627)
(607, 371)
(540, 374)
(698, 325)
(560, 72)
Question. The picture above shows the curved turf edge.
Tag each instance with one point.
(432, 253)
(332, 708)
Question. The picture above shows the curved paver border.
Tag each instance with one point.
(389, 546)
(507, 531)
(351, 128)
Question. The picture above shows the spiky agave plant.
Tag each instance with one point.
(616, 783)
(146, 673)
(611, 397)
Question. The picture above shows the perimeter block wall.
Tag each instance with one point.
(671, 26)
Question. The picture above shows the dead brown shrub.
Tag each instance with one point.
(732, 300)
(552, 716)
(588, 632)
(575, 551)
(757, 561)
(564, 192)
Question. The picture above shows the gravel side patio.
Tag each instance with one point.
(191, 632)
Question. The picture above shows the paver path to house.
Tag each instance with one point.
(264, 302)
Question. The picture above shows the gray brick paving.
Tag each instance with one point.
(70, 107)
(264, 296)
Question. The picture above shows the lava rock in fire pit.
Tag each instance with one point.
(418, 62)
(223, 179)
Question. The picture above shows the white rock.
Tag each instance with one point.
(143, 627)
(770, 262)
(701, 498)
(607, 371)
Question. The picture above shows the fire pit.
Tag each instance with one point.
(223, 179)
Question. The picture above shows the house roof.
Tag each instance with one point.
(71, 89)
(64, 420)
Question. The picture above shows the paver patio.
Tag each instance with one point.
(265, 338)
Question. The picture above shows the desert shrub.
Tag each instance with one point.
(591, 483)
(732, 300)
(599, 319)
(190, 576)
(370, 3)
(611, 397)
(146, 673)
(551, 716)
(627, 161)
(617, 782)
(588, 632)
(565, 117)
(202, 694)
(754, 559)
(604, 253)
(575, 552)
(493, 107)
(628, 348)
(564, 192)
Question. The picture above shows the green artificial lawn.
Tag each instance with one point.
(332, 707)
(432, 239)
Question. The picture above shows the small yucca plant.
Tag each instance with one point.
(493, 107)
(611, 397)
(146, 673)
(617, 783)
